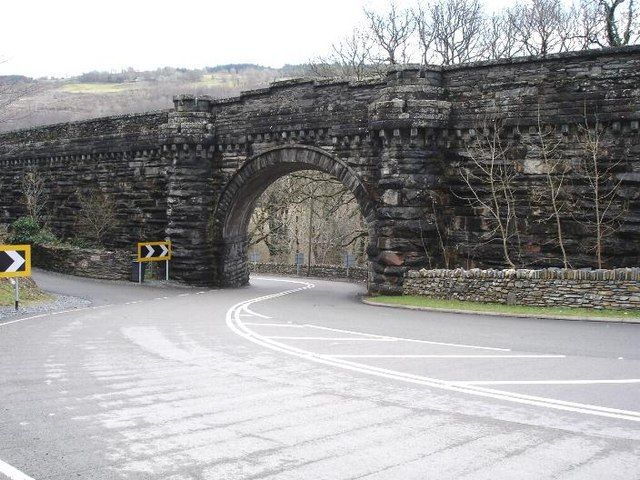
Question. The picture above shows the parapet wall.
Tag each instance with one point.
(550, 287)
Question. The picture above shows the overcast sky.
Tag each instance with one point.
(68, 37)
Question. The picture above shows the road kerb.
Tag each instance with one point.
(503, 314)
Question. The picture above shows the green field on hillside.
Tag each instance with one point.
(97, 87)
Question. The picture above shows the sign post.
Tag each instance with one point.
(299, 262)
(15, 262)
(154, 252)
(349, 261)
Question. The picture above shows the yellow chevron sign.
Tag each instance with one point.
(15, 261)
(154, 251)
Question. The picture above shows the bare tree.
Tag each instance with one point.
(588, 24)
(601, 196)
(620, 22)
(457, 27)
(424, 27)
(489, 176)
(500, 38)
(391, 32)
(313, 212)
(35, 195)
(350, 58)
(97, 215)
(555, 169)
(542, 27)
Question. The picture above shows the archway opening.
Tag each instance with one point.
(308, 220)
(327, 191)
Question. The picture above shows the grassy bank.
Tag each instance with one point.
(29, 292)
(417, 301)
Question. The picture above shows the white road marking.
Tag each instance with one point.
(44, 315)
(255, 314)
(445, 356)
(286, 325)
(341, 339)
(12, 472)
(413, 340)
(546, 382)
(235, 323)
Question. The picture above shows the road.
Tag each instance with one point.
(296, 379)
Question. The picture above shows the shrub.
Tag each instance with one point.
(26, 230)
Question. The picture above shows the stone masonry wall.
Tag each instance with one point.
(399, 142)
(117, 157)
(321, 271)
(551, 287)
(84, 262)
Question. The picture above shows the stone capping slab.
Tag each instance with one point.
(575, 54)
(87, 121)
(625, 274)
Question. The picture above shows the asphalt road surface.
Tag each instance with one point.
(295, 379)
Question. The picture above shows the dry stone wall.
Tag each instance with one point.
(551, 287)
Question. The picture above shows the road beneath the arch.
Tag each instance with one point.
(299, 380)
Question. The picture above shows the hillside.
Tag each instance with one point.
(34, 102)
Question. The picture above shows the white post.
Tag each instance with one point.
(166, 270)
(139, 272)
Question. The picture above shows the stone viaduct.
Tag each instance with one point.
(194, 173)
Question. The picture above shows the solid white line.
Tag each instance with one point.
(444, 356)
(342, 339)
(286, 325)
(412, 340)
(45, 315)
(234, 322)
(255, 314)
(12, 472)
(547, 382)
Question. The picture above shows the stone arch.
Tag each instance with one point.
(237, 201)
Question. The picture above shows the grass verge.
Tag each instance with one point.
(29, 293)
(417, 301)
